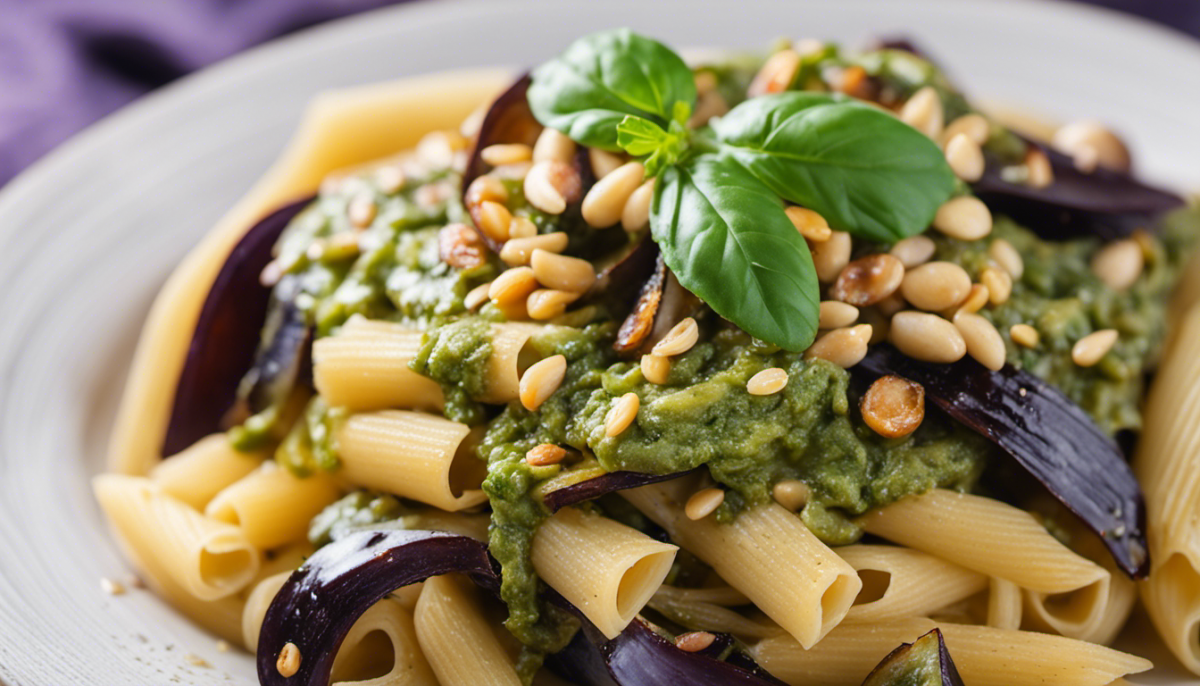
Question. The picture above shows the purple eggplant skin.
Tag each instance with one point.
(226, 339)
(946, 668)
(1049, 436)
(602, 485)
(324, 597)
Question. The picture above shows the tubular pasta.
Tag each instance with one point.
(200, 472)
(505, 366)
(1004, 604)
(365, 367)
(457, 640)
(273, 506)
(916, 584)
(360, 654)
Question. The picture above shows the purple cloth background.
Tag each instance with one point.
(66, 63)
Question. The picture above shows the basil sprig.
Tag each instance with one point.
(717, 214)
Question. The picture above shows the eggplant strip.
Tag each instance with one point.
(898, 665)
(604, 484)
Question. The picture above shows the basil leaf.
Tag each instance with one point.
(728, 240)
(862, 169)
(601, 78)
(642, 138)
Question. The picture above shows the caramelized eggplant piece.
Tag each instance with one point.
(227, 332)
(663, 302)
(924, 662)
(1048, 435)
(602, 485)
(618, 277)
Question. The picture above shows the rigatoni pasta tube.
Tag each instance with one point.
(456, 638)
(207, 558)
(273, 506)
(606, 569)
(766, 553)
(365, 367)
(1005, 605)
(906, 583)
(256, 606)
(363, 659)
(507, 362)
(984, 656)
(197, 474)
(419, 456)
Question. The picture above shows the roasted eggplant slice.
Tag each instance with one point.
(226, 339)
(1048, 435)
(924, 662)
(662, 304)
(601, 485)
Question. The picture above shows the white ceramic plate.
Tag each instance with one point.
(88, 234)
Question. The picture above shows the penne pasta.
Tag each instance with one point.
(272, 506)
(1005, 606)
(365, 367)
(457, 640)
(203, 470)
(899, 582)
(255, 609)
(367, 659)
(509, 359)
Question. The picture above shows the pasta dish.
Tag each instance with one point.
(789, 368)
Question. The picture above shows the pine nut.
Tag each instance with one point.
(506, 153)
(436, 150)
(879, 324)
(476, 297)
(546, 303)
(622, 414)
(767, 382)
(541, 380)
(1092, 348)
(512, 172)
(545, 455)
(1119, 264)
(893, 406)
(550, 185)
(998, 283)
(810, 224)
(923, 112)
(289, 660)
(705, 82)
(976, 299)
(604, 162)
(694, 641)
(868, 280)
(843, 347)
(486, 187)
(1024, 335)
(494, 220)
(553, 146)
(965, 157)
(914, 251)
(776, 74)
(680, 339)
(522, 227)
(1039, 173)
(636, 214)
(836, 314)
(655, 368)
(513, 285)
(973, 126)
(390, 178)
(469, 128)
(983, 340)
(271, 273)
(927, 337)
(891, 304)
(791, 493)
(604, 203)
(561, 272)
(965, 218)
(1007, 257)
(936, 286)
(709, 105)
(703, 503)
(517, 251)
(1093, 142)
(361, 210)
(832, 256)
(112, 586)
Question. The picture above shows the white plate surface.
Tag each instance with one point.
(88, 234)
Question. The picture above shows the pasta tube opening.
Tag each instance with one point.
(382, 648)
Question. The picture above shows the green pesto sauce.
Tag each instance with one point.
(918, 664)
(359, 510)
(456, 355)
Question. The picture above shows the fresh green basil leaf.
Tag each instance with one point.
(642, 138)
(862, 169)
(601, 78)
(727, 239)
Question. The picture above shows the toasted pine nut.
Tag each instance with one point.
(545, 455)
(999, 285)
(974, 126)
(636, 214)
(893, 406)
(703, 503)
(1119, 264)
(965, 218)
(868, 280)
(680, 339)
(561, 272)
(835, 314)
(791, 493)
(390, 178)
(694, 641)
(494, 220)
(843, 347)
(477, 296)
(983, 340)
(545, 303)
(936, 286)
(923, 112)
(1092, 348)
(522, 227)
(517, 171)
(622, 414)
(1024, 335)
(436, 150)
(506, 153)
(551, 185)
(810, 224)
(361, 210)
(1039, 173)
(289, 660)
(1094, 143)
(486, 187)
(604, 162)
(914, 251)
(513, 285)
(656, 368)
(965, 157)
(553, 146)
(776, 74)
(927, 337)
(976, 299)
(517, 251)
(767, 382)
(541, 380)
(831, 256)
(1007, 257)
(271, 273)
(604, 203)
